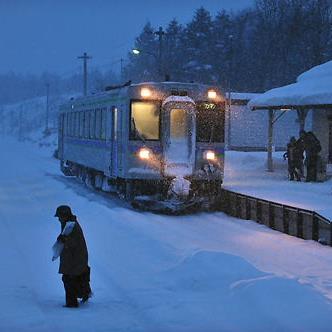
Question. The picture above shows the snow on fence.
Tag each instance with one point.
(291, 220)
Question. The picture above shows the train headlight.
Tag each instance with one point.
(144, 153)
(210, 155)
(212, 94)
(145, 92)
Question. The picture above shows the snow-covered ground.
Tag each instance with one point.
(204, 272)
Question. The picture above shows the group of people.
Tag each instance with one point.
(303, 152)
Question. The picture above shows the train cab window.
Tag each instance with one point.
(210, 122)
(144, 121)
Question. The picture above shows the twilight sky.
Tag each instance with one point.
(48, 35)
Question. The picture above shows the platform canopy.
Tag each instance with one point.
(312, 90)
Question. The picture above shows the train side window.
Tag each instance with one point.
(98, 123)
(70, 124)
(81, 124)
(210, 123)
(64, 124)
(86, 124)
(92, 124)
(77, 124)
(103, 123)
(144, 120)
(74, 124)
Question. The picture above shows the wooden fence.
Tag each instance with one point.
(291, 220)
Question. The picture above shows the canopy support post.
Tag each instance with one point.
(302, 114)
(270, 142)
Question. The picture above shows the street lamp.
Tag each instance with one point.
(136, 51)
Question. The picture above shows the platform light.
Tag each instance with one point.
(136, 51)
(210, 155)
(145, 92)
(212, 94)
(144, 153)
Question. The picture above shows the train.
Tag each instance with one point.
(146, 139)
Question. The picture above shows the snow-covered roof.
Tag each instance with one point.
(178, 99)
(312, 88)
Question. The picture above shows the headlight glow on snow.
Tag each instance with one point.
(212, 94)
(144, 153)
(145, 92)
(210, 155)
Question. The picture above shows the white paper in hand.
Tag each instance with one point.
(58, 245)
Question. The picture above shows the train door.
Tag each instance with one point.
(179, 139)
(107, 124)
(114, 140)
(111, 120)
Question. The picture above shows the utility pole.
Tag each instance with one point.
(160, 33)
(47, 107)
(85, 59)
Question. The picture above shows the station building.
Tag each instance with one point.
(310, 99)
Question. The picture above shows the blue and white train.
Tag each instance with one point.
(136, 138)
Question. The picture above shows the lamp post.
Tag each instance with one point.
(160, 56)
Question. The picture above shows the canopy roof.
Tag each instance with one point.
(313, 89)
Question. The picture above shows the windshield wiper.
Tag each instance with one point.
(137, 133)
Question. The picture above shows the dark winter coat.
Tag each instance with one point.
(311, 145)
(74, 257)
(294, 153)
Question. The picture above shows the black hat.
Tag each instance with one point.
(63, 211)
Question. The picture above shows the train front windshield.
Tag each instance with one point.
(145, 120)
(210, 122)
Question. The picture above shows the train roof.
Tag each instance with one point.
(120, 92)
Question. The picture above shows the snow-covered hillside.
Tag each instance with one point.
(203, 272)
(26, 120)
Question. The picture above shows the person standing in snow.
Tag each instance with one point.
(73, 258)
(312, 148)
(294, 155)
